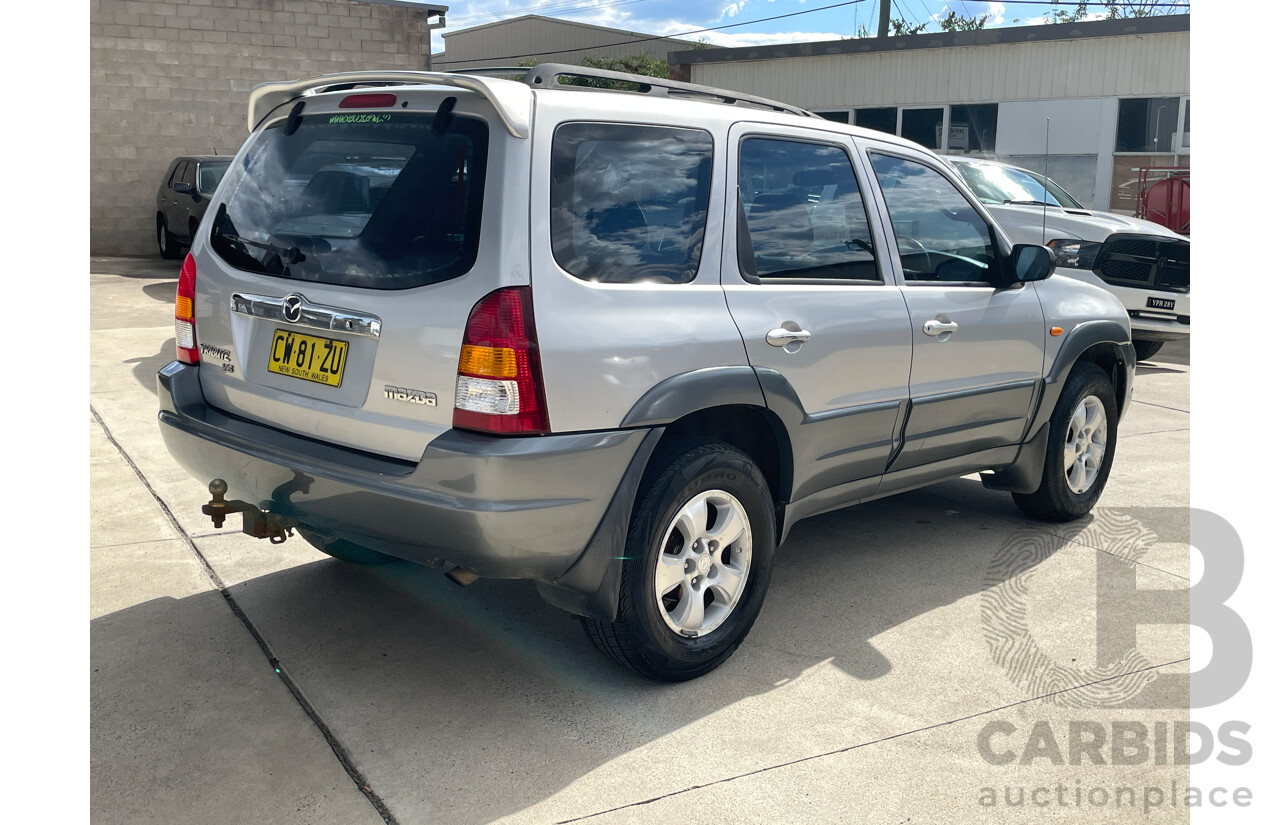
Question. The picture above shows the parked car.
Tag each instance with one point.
(182, 199)
(620, 348)
(1146, 265)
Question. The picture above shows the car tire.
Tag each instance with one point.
(1145, 350)
(344, 550)
(1082, 444)
(697, 563)
(170, 250)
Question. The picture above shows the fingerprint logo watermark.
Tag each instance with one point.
(1006, 626)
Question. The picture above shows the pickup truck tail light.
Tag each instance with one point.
(499, 387)
(184, 314)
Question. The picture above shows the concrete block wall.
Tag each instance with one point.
(172, 78)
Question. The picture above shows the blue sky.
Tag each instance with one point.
(670, 17)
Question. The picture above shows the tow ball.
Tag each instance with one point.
(256, 522)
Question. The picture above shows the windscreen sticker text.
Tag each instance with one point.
(362, 118)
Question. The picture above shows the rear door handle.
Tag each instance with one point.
(940, 327)
(781, 336)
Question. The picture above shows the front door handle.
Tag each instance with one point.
(936, 328)
(782, 337)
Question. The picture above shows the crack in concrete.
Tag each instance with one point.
(1159, 432)
(838, 751)
(1161, 406)
(339, 750)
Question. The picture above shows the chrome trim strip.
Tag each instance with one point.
(313, 316)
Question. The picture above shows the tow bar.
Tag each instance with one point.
(256, 522)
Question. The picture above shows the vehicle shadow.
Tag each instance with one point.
(162, 292)
(465, 705)
(145, 369)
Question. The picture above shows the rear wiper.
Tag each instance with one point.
(224, 229)
(288, 254)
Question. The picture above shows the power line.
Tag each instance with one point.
(753, 22)
(658, 37)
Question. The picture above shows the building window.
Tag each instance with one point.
(924, 126)
(882, 119)
(973, 129)
(836, 117)
(1147, 124)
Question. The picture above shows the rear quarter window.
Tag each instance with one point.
(629, 202)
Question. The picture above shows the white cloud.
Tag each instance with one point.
(759, 39)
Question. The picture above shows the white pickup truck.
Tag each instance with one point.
(1146, 265)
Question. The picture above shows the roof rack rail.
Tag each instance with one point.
(547, 75)
(492, 71)
(512, 101)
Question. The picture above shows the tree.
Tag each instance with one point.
(959, 23)
(898, 27)
(1115, 11)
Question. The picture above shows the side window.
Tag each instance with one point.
(629, 202)
(940, 236)
(803, 213)
(189, 173)
(176, 175)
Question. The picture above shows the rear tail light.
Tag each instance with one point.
(499, 387)
(184, 315)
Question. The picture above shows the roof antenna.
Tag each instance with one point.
(1044, 197)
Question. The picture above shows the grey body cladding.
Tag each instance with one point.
(847, 456)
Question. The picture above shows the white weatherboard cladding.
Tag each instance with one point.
(1148, 66)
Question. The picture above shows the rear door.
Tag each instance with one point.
(978, 346)
(343, 258)
(808, 284)
(172, 213)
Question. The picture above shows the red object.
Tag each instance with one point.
(504, 319)
(369, 101)
(185, 312)
(1166, 200)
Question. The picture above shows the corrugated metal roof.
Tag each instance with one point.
(1134, 66)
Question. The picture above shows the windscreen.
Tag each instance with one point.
(1006, 184)
(381, 200)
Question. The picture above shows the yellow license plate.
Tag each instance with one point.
(308, 357)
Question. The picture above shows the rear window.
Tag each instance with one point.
(379, 201)
(629, 203)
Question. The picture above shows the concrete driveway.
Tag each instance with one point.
(934, 657)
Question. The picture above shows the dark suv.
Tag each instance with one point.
(182, 198)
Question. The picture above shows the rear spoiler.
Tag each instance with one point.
(512, 100)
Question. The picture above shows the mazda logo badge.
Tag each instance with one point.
(293, 308)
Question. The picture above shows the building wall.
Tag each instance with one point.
(1148, 66)
(1075, 83)
(172, 78)
(545, 41)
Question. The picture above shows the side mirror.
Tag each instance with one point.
(1031, 262)
(184, 188)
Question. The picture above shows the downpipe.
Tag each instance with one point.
(256, 522)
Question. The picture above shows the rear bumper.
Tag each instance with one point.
(523, 508)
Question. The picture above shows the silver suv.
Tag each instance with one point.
(615, 343)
